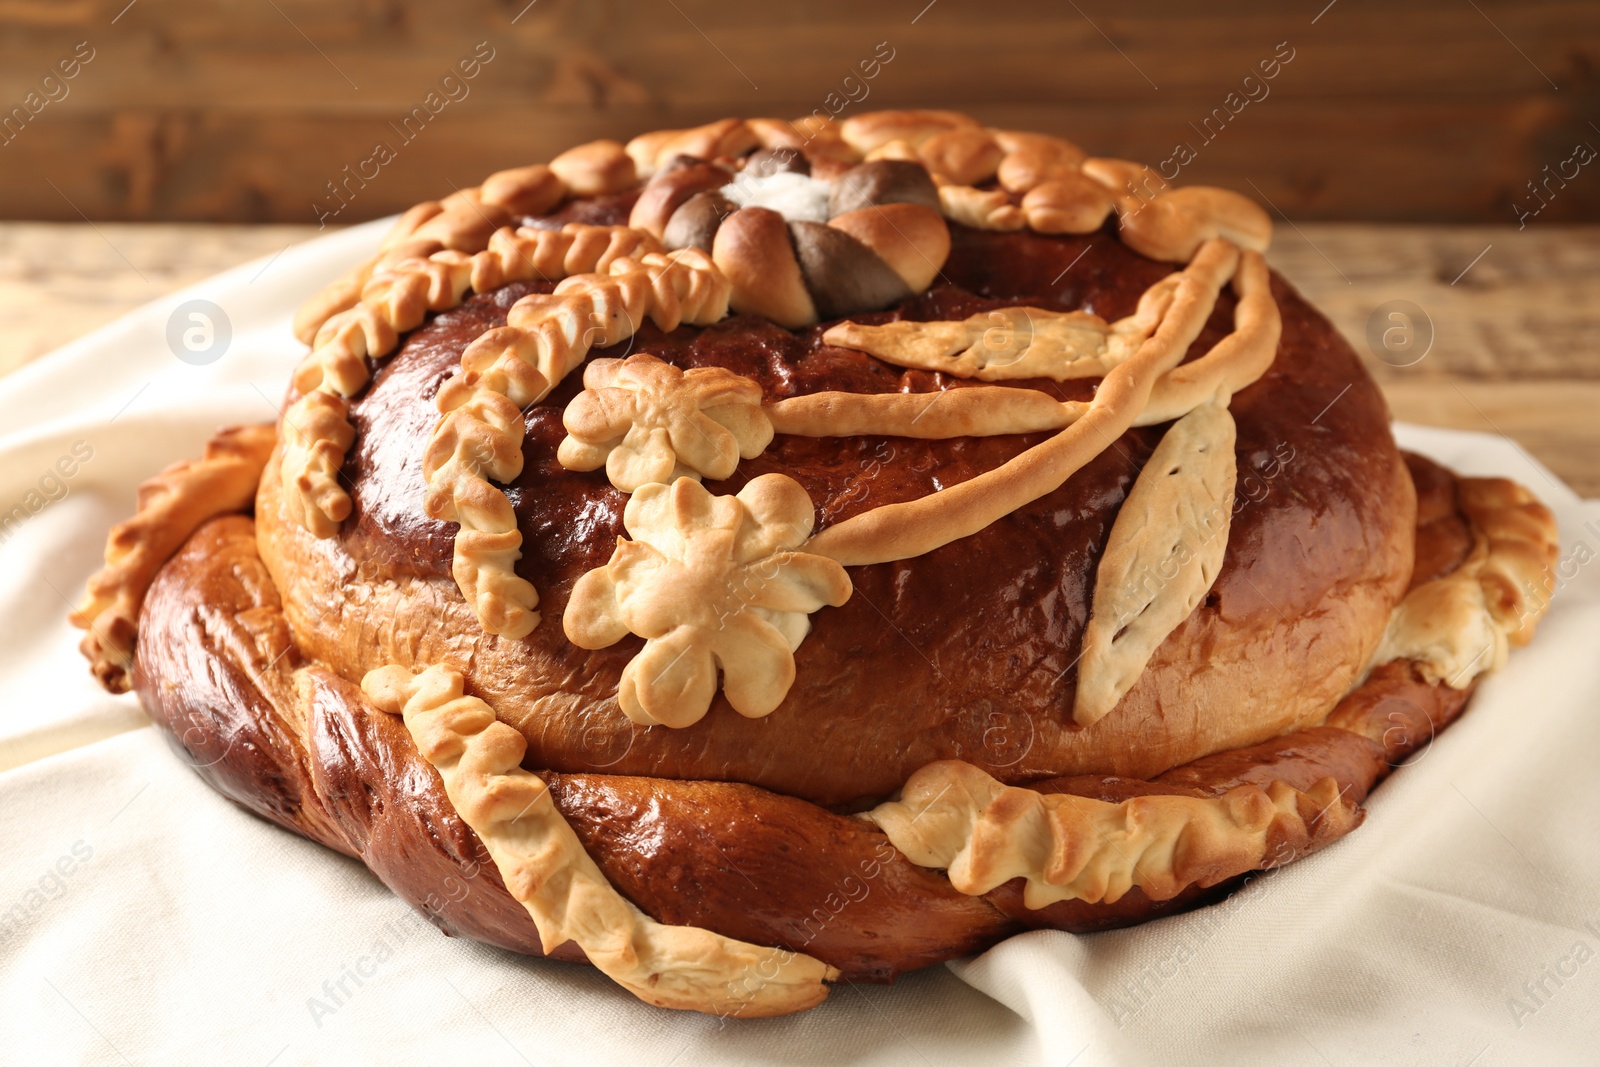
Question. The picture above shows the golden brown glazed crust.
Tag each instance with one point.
(297, 744)
(948, 664)
(171, 506)
(891, 678)
(284, 739)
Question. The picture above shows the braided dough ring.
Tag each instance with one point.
(301, 746)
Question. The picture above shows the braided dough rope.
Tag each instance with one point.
(1168, 224)
(977, 173)
(715, 140)
(598, 168)
(817, 138)
(898, 531)
(215, 568)
(480, 430)
(1465, 623)
(400, 243)
(171, 506)
(462, 221)
(952, 815)
(395, 298)
(546, 869)
(981, 209)
(1061, 190)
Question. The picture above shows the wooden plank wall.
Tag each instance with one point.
(243, 110)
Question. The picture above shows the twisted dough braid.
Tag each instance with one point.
(1061, 191)
(316, 435)
(479, 435)
(462, 221)
(301, 747)
(546, 869)
(954, 816)
(395, 298)
(171, 506)
(1464, 624)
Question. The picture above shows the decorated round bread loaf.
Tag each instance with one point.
(770, 552)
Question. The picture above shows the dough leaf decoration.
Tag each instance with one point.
(1166, 548)
(1013, 343)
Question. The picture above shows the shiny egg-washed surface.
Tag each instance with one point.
(298, 744)
(967, 652)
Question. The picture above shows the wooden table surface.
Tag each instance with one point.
(1514, 315)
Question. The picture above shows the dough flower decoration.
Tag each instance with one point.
(646, 421)
(710, 582)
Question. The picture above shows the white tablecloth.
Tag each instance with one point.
(144, 920)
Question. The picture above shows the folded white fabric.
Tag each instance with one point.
(144, 920)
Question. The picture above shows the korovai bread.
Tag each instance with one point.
(767, 554)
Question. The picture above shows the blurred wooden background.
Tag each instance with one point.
(243, 110)
(1422, 111)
